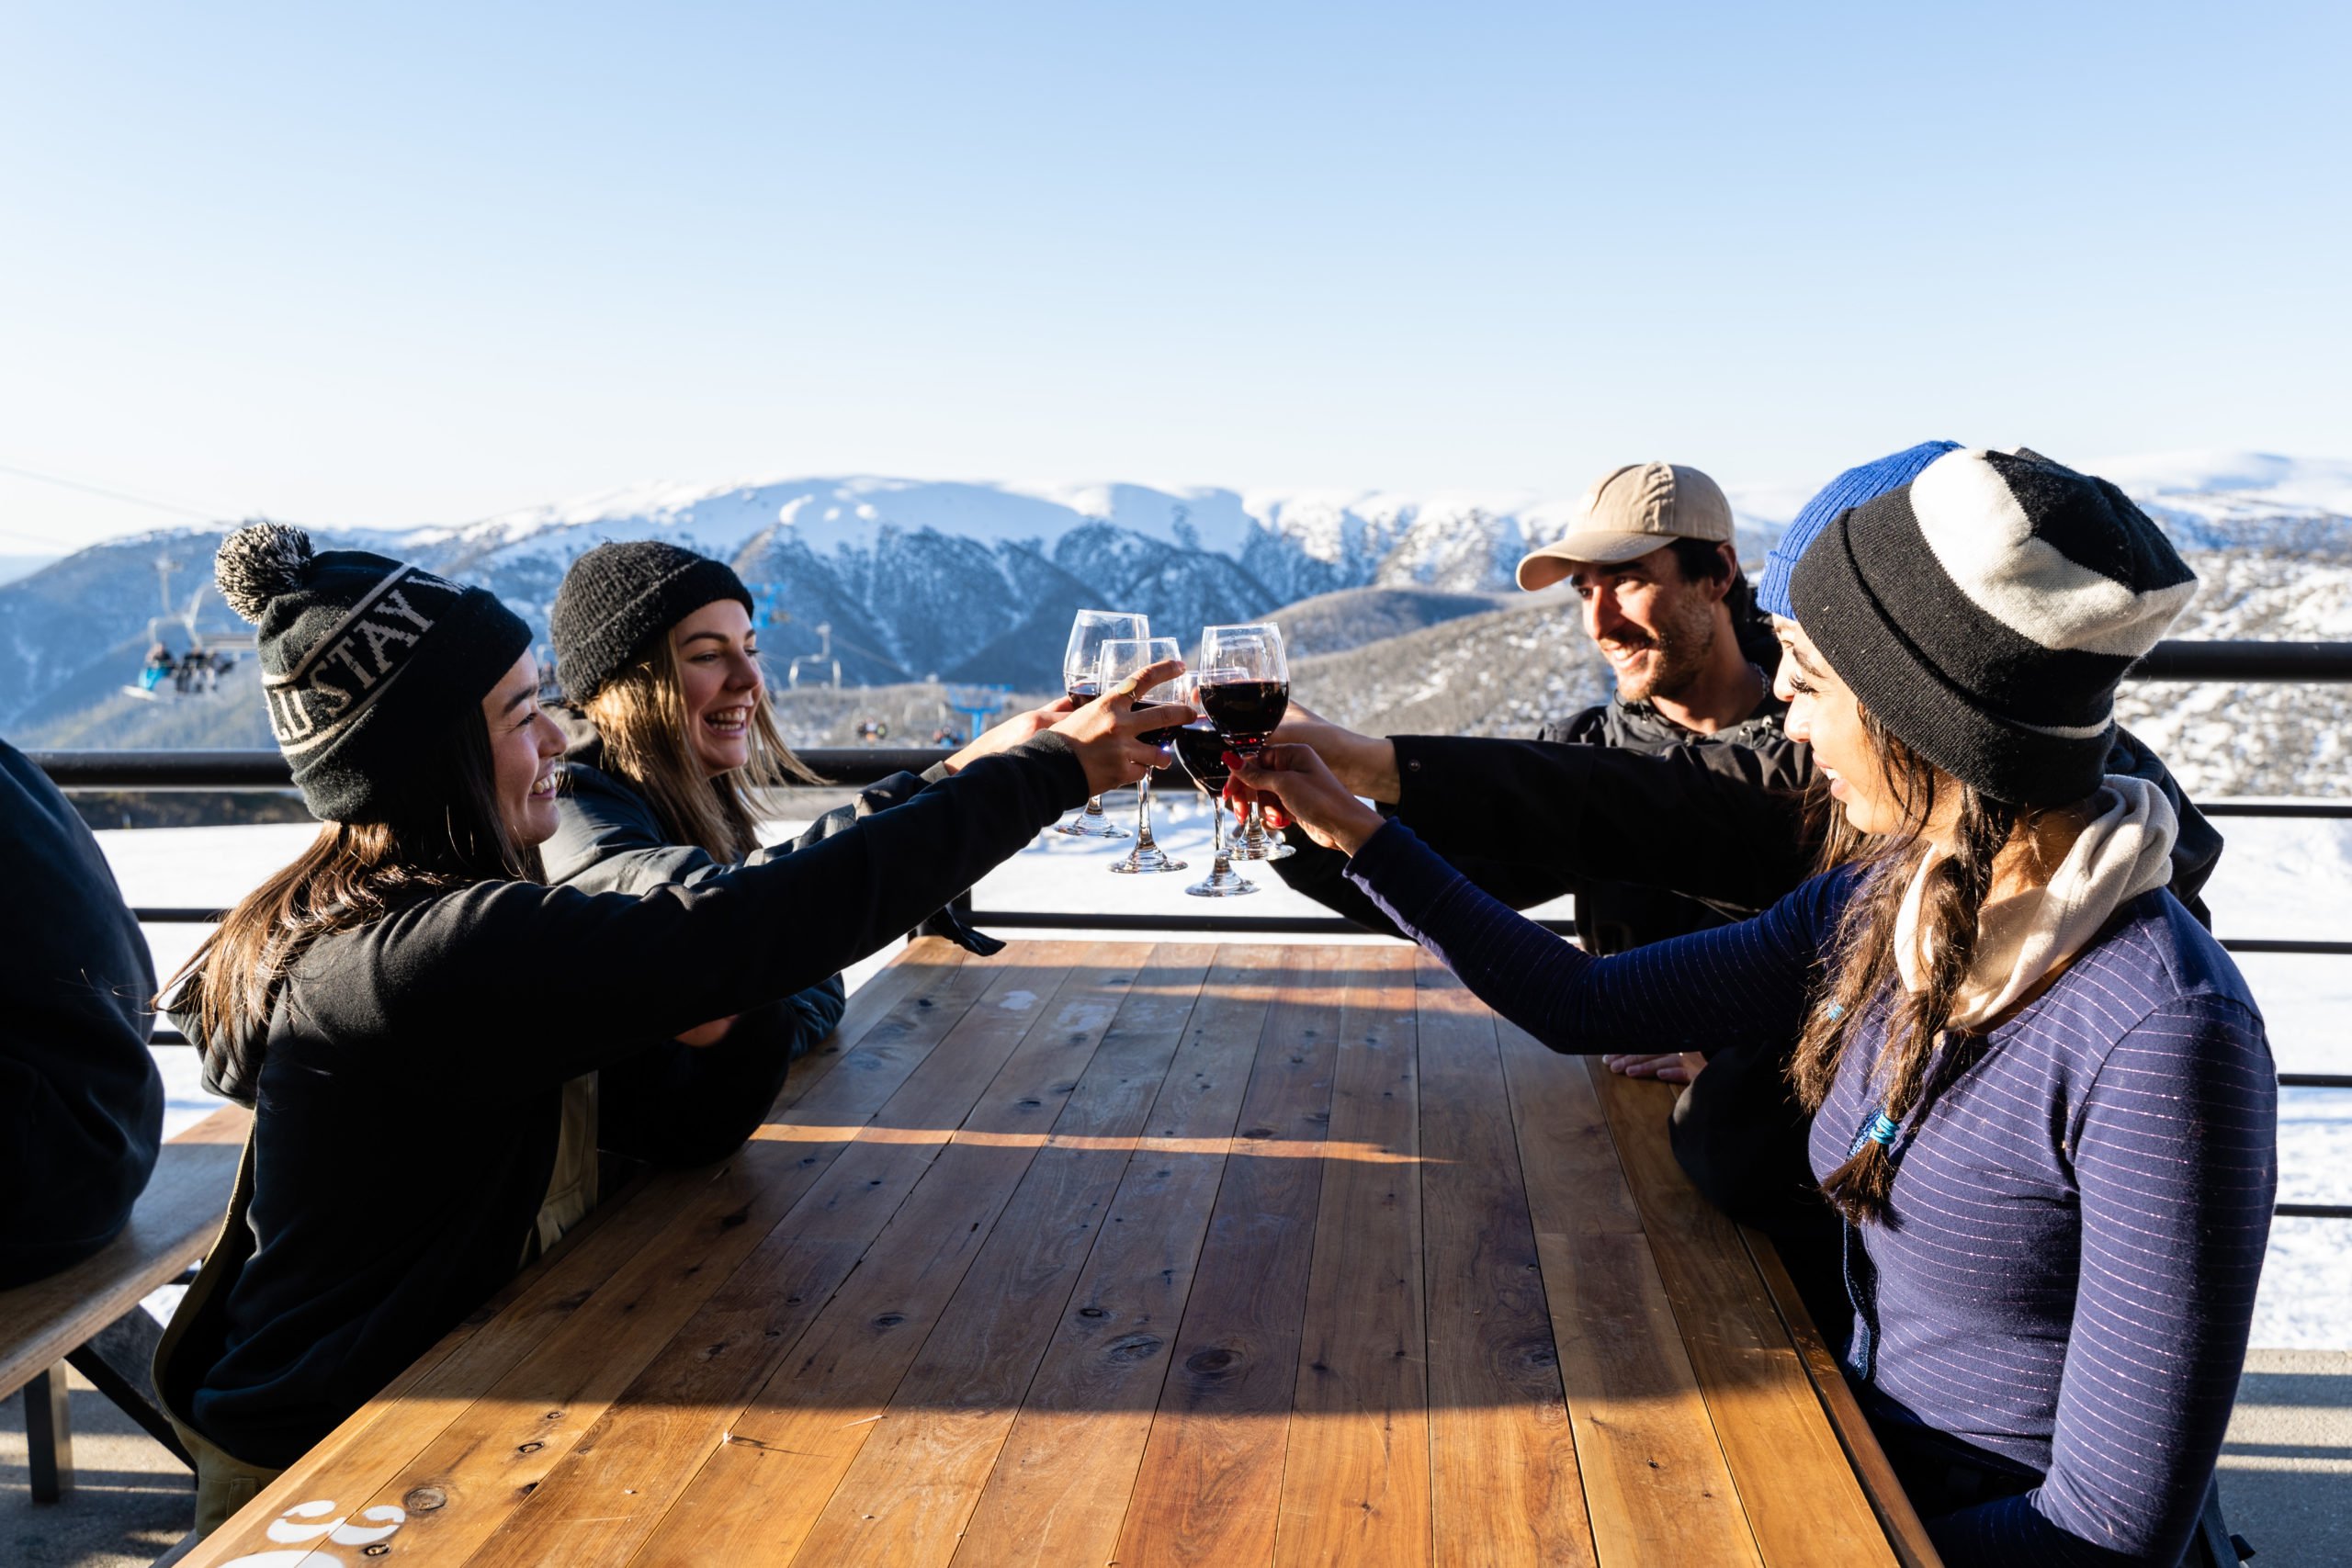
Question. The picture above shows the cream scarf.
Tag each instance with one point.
(2125, 850)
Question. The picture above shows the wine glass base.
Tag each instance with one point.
(1143, 862)
(1225, 884)
(1273, 848)
(1078, 828)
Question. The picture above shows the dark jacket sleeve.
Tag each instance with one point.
(1721, 823)
(1528, 820)
(676, 1104)
(567, 982)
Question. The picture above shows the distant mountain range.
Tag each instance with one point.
(921, 581)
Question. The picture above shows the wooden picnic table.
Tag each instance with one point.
(1118, 1253)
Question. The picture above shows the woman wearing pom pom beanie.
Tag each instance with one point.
(383, 1002)
(2043, 1097)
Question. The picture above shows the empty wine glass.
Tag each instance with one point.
(1124, 658)
(1082, 662)
(1244, 688)
(1201, 750)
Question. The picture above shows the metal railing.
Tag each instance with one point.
(142, 772)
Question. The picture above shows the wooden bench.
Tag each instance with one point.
(88, 1315)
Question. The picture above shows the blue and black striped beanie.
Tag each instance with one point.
(1856, 485)
(1987, 611)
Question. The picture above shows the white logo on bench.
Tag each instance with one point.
(310, 1521)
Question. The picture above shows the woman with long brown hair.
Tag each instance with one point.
(2042, 1096)
(404, 1005)
(674, 764)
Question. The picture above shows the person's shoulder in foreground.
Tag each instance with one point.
(80, 1102)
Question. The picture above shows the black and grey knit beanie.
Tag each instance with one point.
(1985, 613)
(366, 662)
(618, 597)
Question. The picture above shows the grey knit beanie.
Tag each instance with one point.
(366, 662)
(618, 597)
(1985, 613)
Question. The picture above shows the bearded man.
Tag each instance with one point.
(1650, 555)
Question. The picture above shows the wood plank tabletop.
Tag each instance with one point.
(1133, 1253)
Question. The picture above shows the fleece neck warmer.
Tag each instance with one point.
(2124, 852)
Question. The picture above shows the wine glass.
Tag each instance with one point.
(1244, 688)
(1081, 660)
(1201, 752)
(1122, 659)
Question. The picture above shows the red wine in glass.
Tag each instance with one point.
(1245, 712)
(1084, 692)
(1202, 751)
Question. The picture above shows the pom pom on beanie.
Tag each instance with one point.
(258, 563)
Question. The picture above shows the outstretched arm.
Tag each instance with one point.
(1748, 981)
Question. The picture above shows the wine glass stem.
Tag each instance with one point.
(1220, 860)
(1143, 818)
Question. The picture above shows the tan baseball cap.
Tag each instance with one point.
(1632, 511)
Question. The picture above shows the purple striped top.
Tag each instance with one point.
(2077, 1224)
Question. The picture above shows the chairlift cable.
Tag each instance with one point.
(109, 494)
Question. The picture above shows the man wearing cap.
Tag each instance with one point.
(1718, 816)
(1650, 555)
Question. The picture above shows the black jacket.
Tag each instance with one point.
(607, 840)
(1723, 824)
(1499, 813)
(81, 1102)
(407, 1090)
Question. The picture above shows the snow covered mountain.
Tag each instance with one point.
(924, 579)
(915, 578)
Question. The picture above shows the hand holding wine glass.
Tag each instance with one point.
(1244, 688)
(1082, 663)
(1141, 670)
(1200, 753)
(1311, 795)
(1108, 733)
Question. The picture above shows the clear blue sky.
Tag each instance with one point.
(395, 264)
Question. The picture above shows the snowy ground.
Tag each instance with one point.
(2279, 878)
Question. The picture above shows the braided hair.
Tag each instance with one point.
(1862, 986)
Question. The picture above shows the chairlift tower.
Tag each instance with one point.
(978, 704)
(821, 659)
